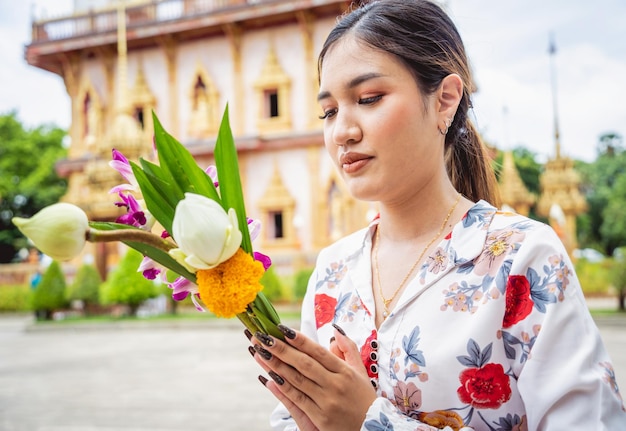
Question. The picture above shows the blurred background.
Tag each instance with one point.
(82, 77)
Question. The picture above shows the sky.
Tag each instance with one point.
(507, 42)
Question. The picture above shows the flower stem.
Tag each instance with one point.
(135, 235)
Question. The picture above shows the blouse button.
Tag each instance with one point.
(374, 368)
(374, 383)
(374, 344)
(374, 356)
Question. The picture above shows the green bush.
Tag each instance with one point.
(85, 286)
(301, 282)
(595, 277)
(272, 286)
(15, 298)
(618, 275)
(49, 294)
(127, 286)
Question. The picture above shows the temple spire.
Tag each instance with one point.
(122, 61)
(557, 137)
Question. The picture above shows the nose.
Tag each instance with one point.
(346, 130)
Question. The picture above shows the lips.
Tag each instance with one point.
(351, 162)
(349, 158)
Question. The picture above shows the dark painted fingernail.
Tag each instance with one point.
(288, 332)
(263, 380)
(338, 328)
(331, 340)
(265, 339)
(277, 378)
(261, 351)
(248, 333)
(251, 350)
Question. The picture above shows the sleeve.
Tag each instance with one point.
(564, 373)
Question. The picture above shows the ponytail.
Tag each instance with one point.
(469, 165)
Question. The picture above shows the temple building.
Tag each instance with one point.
(186, 60)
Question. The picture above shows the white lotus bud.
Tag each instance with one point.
(58, 230)
(205, 234)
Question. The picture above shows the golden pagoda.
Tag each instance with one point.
(90, 187)
(513, 192)
(561, 200)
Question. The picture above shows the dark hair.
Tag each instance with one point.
(422, 36)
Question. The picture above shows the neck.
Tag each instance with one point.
(418, 218)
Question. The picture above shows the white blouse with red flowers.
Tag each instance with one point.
(493, 333)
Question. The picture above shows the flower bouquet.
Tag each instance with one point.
(205, 238)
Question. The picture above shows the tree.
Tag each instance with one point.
(301, 283)
(272, 285)
(50, 292)
(85, 287)
(125, 285)
(604, 185)
(28, 181)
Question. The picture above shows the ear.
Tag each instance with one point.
(449, 96)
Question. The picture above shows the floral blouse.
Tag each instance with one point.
(493, 333)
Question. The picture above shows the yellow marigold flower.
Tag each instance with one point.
(441, 419)
(228, 288)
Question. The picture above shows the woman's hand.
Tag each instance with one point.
(322, 390)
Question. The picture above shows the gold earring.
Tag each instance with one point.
(448, 123)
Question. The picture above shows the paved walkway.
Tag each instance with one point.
(136, 377)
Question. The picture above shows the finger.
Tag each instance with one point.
(309, 348)
(348, 351)
(302, 420)
(293, 385)
(257, 353)
(300, 367)
(335, 350)
(272, 362)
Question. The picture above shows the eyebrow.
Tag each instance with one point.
(353, 83)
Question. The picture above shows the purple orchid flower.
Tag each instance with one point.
(149, 268)
(211, 171)
(135, 215)
(122, 165)
(182, 288)
(264, 259)
(254, 227)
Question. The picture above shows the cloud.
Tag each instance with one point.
(38, 96)
(507, 43)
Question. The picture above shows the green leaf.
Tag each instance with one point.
(179, 164)
(161, 207)
(229, 178)
(266, 308)
(266, 324)
(248, 322)
(162, 181)
(155, 254)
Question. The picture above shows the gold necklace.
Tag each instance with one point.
(386, 301)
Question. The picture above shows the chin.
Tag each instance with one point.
(364, 192)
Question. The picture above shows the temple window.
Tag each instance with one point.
(273, 89)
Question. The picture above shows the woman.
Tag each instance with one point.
(444, 313)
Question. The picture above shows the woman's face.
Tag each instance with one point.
(378, 127)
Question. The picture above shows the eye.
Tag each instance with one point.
(328, 114)
(370, 100)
